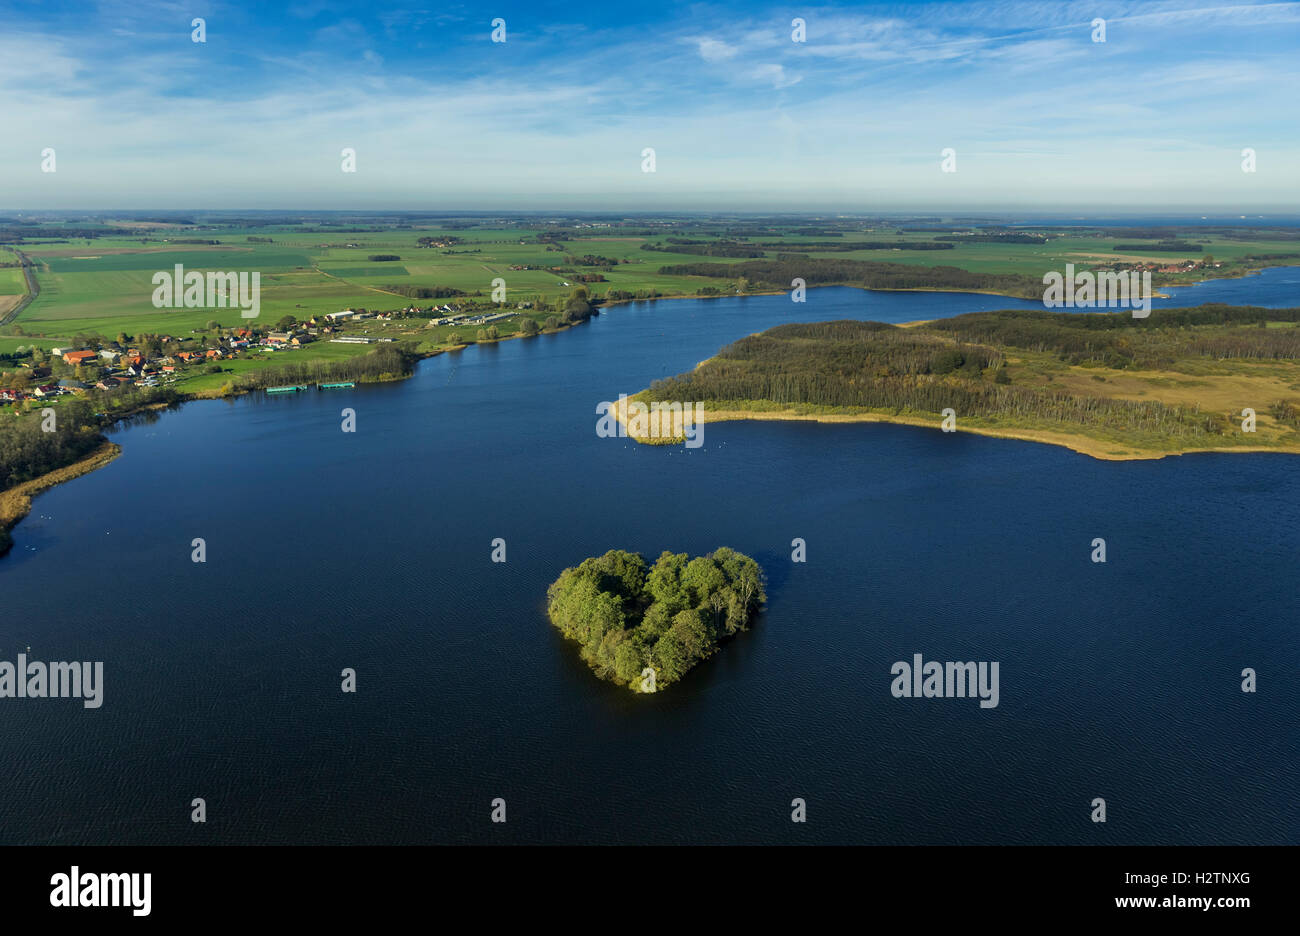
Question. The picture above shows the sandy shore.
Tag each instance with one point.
(1100, 449)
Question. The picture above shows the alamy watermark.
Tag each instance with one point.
(80, 888)
(37, 680)
(950, 680)
(1107, 289)
(193, 290)
(659, 421)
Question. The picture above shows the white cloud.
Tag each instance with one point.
(714, 50)
(1034, 113)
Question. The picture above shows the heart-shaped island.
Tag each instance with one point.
(645, 626)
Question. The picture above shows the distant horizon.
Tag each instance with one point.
(989, 215)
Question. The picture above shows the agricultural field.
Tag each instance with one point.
(9, 344)
(103, 284)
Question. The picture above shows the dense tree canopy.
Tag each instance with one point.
(667, 617)
(960, 362)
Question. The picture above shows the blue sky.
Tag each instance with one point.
(740, 116)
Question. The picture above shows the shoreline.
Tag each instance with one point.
(1156, 287)
(1100, 449)
(16, 502)
(1085, 445)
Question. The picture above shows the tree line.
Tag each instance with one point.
(844, 247)
(386, 362)
(994, 238)
(1117, 339)
(871, 274)
(28, 451)
(424, 292)
(873, 366)
(709, 250)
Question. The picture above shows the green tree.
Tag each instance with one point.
(672, 658)
(701, 578)
(629, 661)
(665, 582)
(695, 634)
(620, 572)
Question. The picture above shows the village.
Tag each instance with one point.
(36, 374)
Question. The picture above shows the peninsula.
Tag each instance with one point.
(1210, 378)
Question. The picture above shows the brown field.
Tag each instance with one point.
(1252, 385)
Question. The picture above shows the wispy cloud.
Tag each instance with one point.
(737, 111)
(714, 50)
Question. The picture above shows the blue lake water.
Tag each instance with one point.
(372, 551)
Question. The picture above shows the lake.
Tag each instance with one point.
(372, 550)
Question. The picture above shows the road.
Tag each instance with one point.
(33, 289)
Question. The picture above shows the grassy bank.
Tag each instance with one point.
(1099, 448)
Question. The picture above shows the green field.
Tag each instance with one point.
(9, 344)
(12, 282)
(103, 285)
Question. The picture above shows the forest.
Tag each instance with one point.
(628, 617)
(27, 451)
(1116, 339)
(962, 363)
